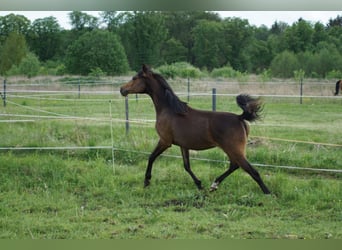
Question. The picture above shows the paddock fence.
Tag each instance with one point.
(106, 93)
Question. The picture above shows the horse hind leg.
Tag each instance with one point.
(337, 87)
(245, 165)
(219, 179)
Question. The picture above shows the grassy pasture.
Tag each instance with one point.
(79, 193)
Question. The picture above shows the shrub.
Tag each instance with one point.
(168, 71)
(284, 64)
(242, 76)
(30, 65)
(97, 72)
(97, 49)
(265, 75)
(180, 69)
(226, 72)
(60, 70)
(334, 74)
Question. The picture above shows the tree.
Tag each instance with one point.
(45, 37)
(237, 34)
(320, 34)
(30, 65)
(284, 64)
(143, 35)
(208, 42)
(97, 50)
(180, 24)
(276, 41)
(298, 37)
(173, 51)
(259, 56)
(334, 29)
(335, 22)
(278, 28)
(258, 53)
(328, 59)
(13, 51)
(81, 21)
(112, 19)
(13, 24)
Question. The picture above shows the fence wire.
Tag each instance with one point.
(46, 95)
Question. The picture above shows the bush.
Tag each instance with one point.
(97, 49)
(168, 71)
(180, 69)
(284, 64)
(242, 77)
(334, 74)
(226, 72)
(14, 70)
(265, 75)
(60, 70)
(30, 65)
(299, 75)
(97, 72)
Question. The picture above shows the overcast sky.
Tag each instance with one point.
(257, 18)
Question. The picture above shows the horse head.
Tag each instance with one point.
(139, 82)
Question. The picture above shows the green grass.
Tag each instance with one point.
(77, 194)
(43, 196)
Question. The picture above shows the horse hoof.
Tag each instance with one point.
(214, 186)
(146, 183)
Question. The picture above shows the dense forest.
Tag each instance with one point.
(118, 42)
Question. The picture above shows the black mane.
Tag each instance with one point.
(177, 106)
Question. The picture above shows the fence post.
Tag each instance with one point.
(4, 96)
(79, 88)
(188, 89)
(301, 90)
(127, 113)
(214, 98)
(299, 76)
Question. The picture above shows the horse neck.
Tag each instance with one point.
(158, 98)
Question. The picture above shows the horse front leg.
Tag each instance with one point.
(186, 161)
(159, 149)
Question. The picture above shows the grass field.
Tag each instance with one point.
(70, 193)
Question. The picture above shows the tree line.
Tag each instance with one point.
(117, 42)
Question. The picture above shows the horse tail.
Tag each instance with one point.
(337, 87)
(252, 107)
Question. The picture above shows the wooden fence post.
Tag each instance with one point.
(188, 89)
(301, 90)
(127, 114)
(79, 88)
(214, 99)
(4, 95)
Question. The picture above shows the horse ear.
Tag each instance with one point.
(146, 70)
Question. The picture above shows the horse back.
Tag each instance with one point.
(205, 129)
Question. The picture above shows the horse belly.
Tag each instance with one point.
(193, 136)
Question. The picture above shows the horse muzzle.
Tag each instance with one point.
(123, 91)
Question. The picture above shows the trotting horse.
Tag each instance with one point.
(179, 124)
(338, 87)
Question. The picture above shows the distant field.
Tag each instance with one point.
(59, 180)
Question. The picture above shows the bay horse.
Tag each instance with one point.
(338, 87)
(179, 124)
